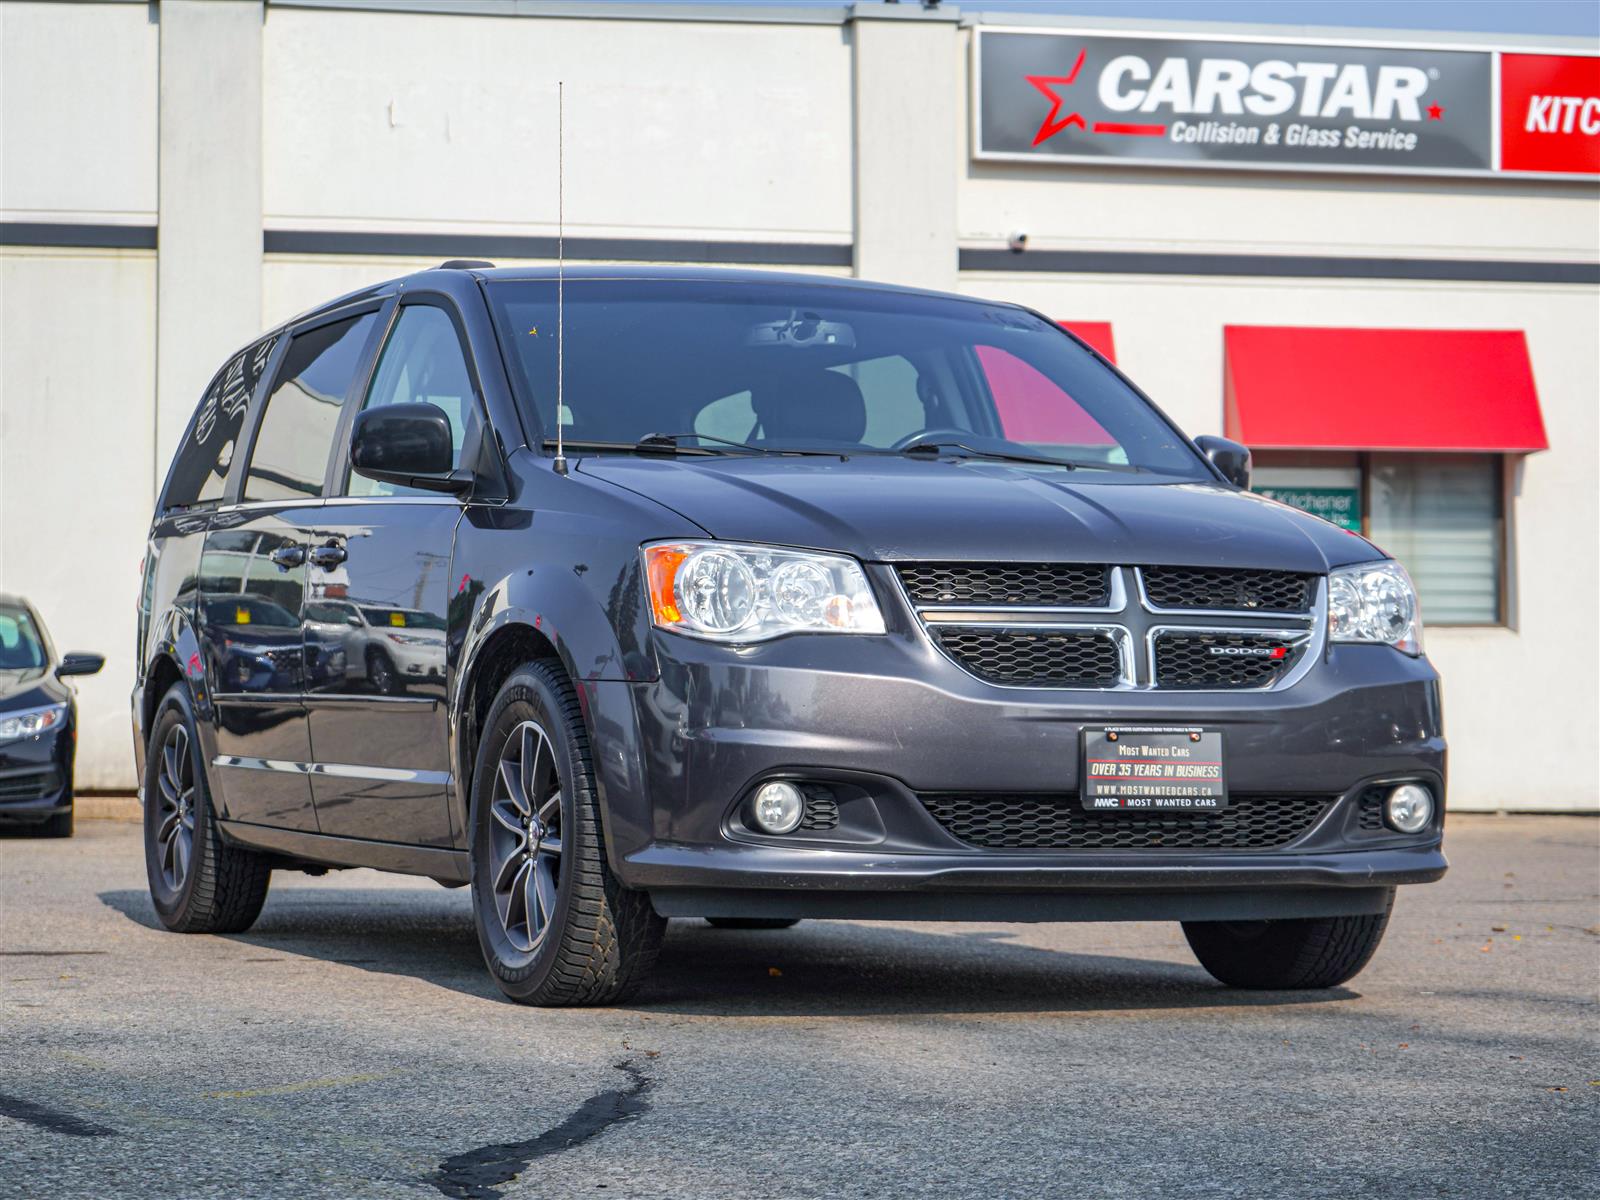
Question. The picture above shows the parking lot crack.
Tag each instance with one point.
(479, 1174)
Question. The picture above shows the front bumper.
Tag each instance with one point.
(36, 776)
(888, 720)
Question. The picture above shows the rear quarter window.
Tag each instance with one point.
(200, 468)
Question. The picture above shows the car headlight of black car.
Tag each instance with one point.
(30, 722)
(1375, 602)
(737, 593)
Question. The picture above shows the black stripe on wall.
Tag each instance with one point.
(66, 233)
(473, 245)
(1304, 266)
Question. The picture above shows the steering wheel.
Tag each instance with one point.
(931, 437)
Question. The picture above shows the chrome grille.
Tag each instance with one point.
(1052, 625)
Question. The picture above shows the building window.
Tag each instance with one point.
(1441, 515)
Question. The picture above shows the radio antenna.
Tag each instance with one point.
(560, 463)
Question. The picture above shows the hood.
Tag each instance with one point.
(30, 689)
(894, 509)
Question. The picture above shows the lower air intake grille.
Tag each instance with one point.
(1223, 660)
(29, 785)
(1371, 818)
(1034, 821)
(1033, 657)
(1060, 585)
(1205, 587)
(822, 808)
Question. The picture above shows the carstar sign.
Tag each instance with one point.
(1302, 106)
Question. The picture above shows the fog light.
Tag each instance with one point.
(779, 807)
(1409, 808)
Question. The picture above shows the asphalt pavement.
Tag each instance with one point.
(350, 1045)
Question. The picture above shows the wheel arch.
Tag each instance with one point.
(512, 643)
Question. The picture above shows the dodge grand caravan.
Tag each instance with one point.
(752, 598)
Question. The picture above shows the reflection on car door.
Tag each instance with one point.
(253, 573)
(252, 584)
(382, 555)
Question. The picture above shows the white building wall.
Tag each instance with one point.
(77, 433)
(78, 131)
(77, 112)
(673, 128)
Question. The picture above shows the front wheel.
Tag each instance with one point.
(1300, 954)
(556, 927)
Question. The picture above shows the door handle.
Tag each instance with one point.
(288, 557)
(327, 557)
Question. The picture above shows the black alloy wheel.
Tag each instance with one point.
(555, 925)
(525, 836)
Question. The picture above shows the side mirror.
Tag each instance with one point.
(1228, 457)
(407, 444)
(81, 664)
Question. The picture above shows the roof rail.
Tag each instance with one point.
(463, 264)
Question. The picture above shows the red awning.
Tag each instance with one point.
(1097, 334)
(1292, 388)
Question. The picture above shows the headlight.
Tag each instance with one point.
(730, 592)
(1375, 602)
(31, 721)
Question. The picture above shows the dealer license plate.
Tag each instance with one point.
(1145, 768)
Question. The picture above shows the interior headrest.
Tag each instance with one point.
(811, 406)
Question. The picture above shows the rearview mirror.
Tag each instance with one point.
(407, 444)
(1228, 457)
(81, 664)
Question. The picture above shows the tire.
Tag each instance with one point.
(752, 922)
(578, 936)
(381, 674)
(198, 883)
(1295, 955)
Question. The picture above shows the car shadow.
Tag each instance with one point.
(816, 969)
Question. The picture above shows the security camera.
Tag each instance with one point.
(1018, 242)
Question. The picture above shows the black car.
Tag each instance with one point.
(765, 597)
(38, 721)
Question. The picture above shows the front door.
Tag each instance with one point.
(380, 583)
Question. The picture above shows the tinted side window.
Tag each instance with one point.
(298, 423)
(422, 363)
(201, 467)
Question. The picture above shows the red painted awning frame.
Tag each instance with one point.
(1444, 390)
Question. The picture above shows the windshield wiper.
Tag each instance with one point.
(935, 449)
(672, 443)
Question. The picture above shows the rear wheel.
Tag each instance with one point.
(198, 883)
(752, 922)
(556, 927)
(1306, 953)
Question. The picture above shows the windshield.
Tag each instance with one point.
(402, 618)
(808, 367)
(247, 610)
(21, 648)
